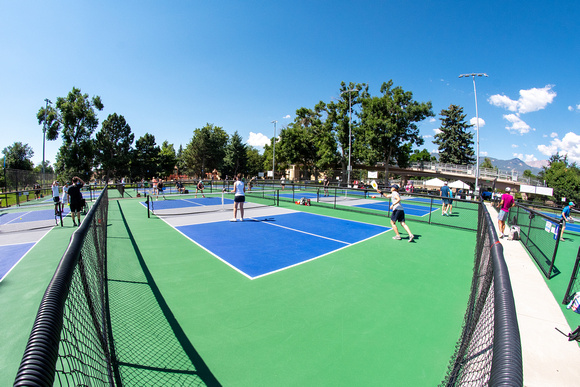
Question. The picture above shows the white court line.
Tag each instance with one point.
(18, 218)
(307, 233)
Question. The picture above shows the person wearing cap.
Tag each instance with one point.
(566, 217)
(398, 214)
(507, 202)
(445, 194)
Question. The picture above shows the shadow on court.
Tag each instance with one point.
(151, 347)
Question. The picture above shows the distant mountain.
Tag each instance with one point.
(518, 165)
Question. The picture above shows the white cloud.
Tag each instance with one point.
(286, 117)
(432, 119)
(515, 146)
(525, 158)
(553, 134)
(258, 140)
(567, 146)
(530, 100)
(436, 151)
(578, 107)
(473, 122)
(437, 131)
(504, 101)
(427, 136)
(517, 124)
(482, 153)
(571, 108)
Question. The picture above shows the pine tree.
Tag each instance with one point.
(454, 140)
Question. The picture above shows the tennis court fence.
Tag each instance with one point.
(540, 234)
(72, 344)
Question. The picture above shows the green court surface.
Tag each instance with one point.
(381, 312)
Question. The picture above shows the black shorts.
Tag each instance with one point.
(239, 199)
(76, 206)
(56, 199)
(398, 215)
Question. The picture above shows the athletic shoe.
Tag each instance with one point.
(242, 219)
(233, 220)
(411, 237)
(397, 237)
(500, 236)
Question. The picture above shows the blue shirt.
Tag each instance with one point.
(566, 212)
(445, 192)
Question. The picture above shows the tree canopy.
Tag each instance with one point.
(18, 156)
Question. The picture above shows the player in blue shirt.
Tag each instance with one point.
(566, 217)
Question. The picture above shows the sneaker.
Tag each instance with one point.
(411, 237)
(500, 236)
(233, 220)
(242, 219)
(74, 224)
(397, 237)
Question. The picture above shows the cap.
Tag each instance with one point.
(571, 204)
(445, 182)
(507, 189)
(395, 186)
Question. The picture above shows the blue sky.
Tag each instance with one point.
(170, 67)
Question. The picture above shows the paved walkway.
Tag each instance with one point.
(549, 359)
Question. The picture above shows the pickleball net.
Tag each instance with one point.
(71, 343)
(187, 204)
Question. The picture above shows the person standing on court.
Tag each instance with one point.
(506, 202)
(56, 197)
(326, 184)
(75, 197)
(239, 192)
(566, 217)
(199, 187)
(445, 194)
(398, 214)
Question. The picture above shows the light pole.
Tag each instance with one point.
(349, 132)
(44, 135)
(473, 75)
(274, 151)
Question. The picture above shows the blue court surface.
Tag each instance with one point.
(188, 202)
(410, 209)
(10, 255)
(29, 215)
(267, 245)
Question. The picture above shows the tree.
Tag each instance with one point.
(255, 161)
(47, 167)
(167, 159)
(145, 158)
(421, 156)
(236, 157)
(563, 177)
(113, 147)
(487, 164)
(18, 155)
(389, 126)
(74, 118)
(206, 150)
(454, 140)
(297, 146)
(341, 136)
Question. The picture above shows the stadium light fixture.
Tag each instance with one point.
(274, 151)
(349, 132)
(44, 135)
(473, 75)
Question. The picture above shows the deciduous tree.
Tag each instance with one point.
(390, 128)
